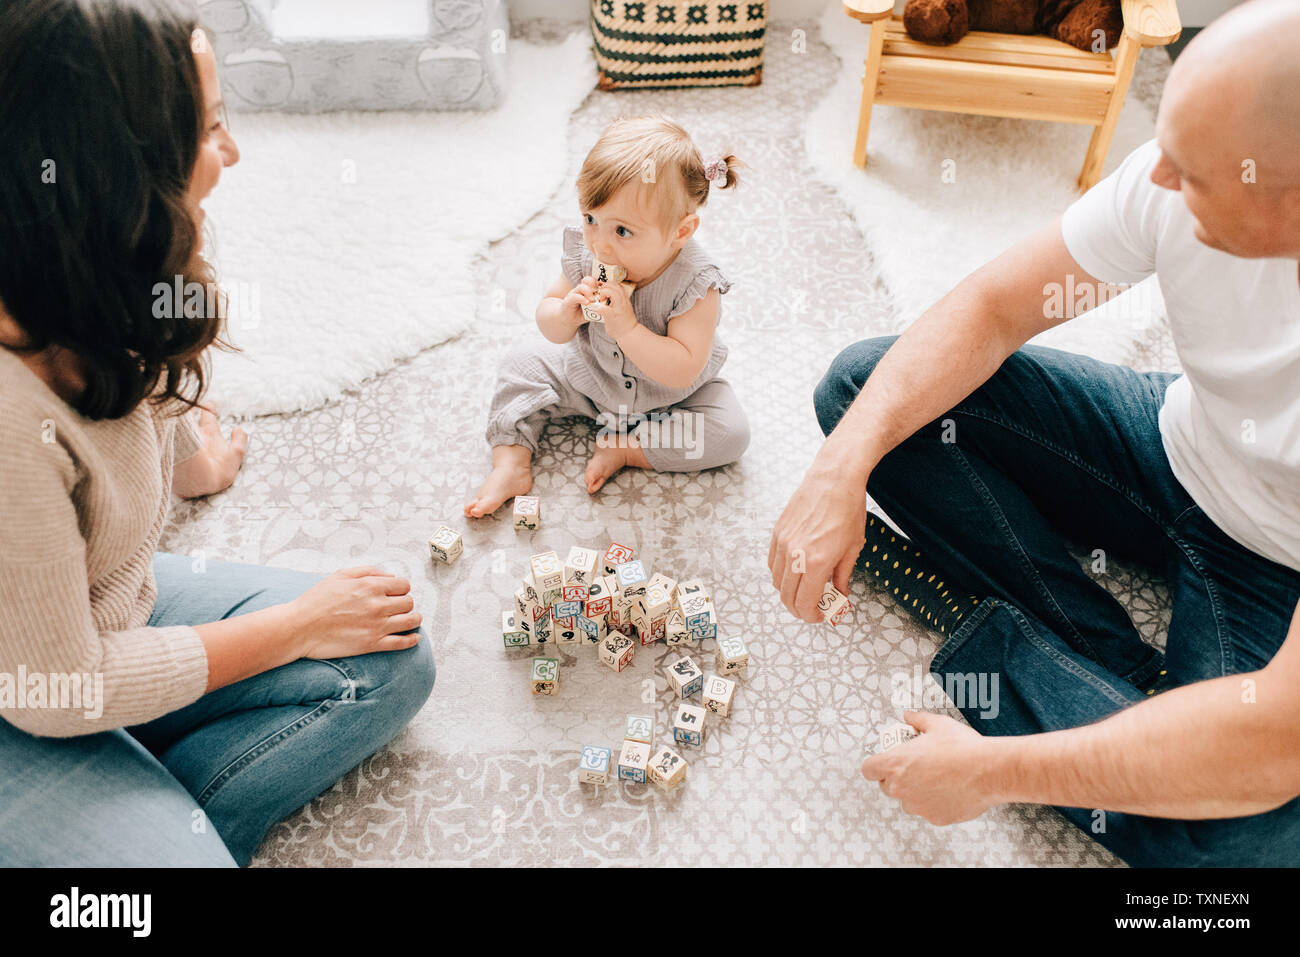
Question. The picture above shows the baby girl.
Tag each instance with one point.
(638, 355)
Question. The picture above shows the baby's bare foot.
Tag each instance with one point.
(605, 464)
(505, 481)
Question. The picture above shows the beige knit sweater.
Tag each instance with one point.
(82, 504)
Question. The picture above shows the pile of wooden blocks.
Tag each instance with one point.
(611, 601)
(637, 761)
(615, 604)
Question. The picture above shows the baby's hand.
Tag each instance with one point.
(615, 307)
(577, 297)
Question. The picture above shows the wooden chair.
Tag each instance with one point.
(999, 74)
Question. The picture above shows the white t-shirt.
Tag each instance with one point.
(1231, 424)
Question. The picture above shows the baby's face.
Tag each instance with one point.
(623, 232)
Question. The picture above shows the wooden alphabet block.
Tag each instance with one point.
(650, 631)
(617, 650)
(685, 676)
(513, 636)
(528, 512)
(675, 630)
(607, 272)
(593, 766)
(564, 631)
(640, 727)
(894, 735)
(580, 566)
(566, 609)
(632, 578)
(548, 575)
(688, 725)
(705, 625)
(615, 555)
(632, 761)
(654, 603)
(692, 588)
(620, 612)
(669, 585)
(695, 610)
(593, 631)
(718, 693)
(527, 611)
(833, 605)
(542, 629)
(599, 598)
(666, 768)
(546, 675)
(445, 546)
(732, 655)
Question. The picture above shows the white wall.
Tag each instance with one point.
(1197, 13)
(1194, 13)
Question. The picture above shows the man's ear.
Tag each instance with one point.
(686, 229)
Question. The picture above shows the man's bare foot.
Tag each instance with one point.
(511, 475)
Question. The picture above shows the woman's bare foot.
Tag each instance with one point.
(608, 461)
(511, 475)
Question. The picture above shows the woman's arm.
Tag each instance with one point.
(352, 612)
(214, 466)
(675, 360)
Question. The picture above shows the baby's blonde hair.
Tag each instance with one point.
(657, 154)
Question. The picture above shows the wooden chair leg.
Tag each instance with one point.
(870, 77)
(1126, 55)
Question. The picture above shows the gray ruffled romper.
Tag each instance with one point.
(680, 430)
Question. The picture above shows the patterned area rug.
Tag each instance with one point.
(486, 773)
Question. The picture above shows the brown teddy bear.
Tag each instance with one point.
(1072, 21)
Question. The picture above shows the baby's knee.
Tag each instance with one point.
(734, 438)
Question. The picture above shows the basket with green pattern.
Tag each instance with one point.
(644, 43)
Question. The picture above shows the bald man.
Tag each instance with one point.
(993, 457)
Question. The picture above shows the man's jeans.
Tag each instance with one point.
(1059, 448)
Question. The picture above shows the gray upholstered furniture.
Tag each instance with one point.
(459, 63)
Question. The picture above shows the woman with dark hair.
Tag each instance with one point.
(156, 712)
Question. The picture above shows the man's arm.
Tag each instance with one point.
(1226, 747)
(949, 352)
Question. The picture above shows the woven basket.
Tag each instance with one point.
(658, 43)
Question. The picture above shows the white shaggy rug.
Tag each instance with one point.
(344, 241)
(1007, 178)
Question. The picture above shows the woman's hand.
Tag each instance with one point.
(214, 467)
(818, 538)
(354, 612)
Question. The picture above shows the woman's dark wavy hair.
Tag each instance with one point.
(101, 118)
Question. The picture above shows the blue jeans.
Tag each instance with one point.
(202, 786)
(1059, 448)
